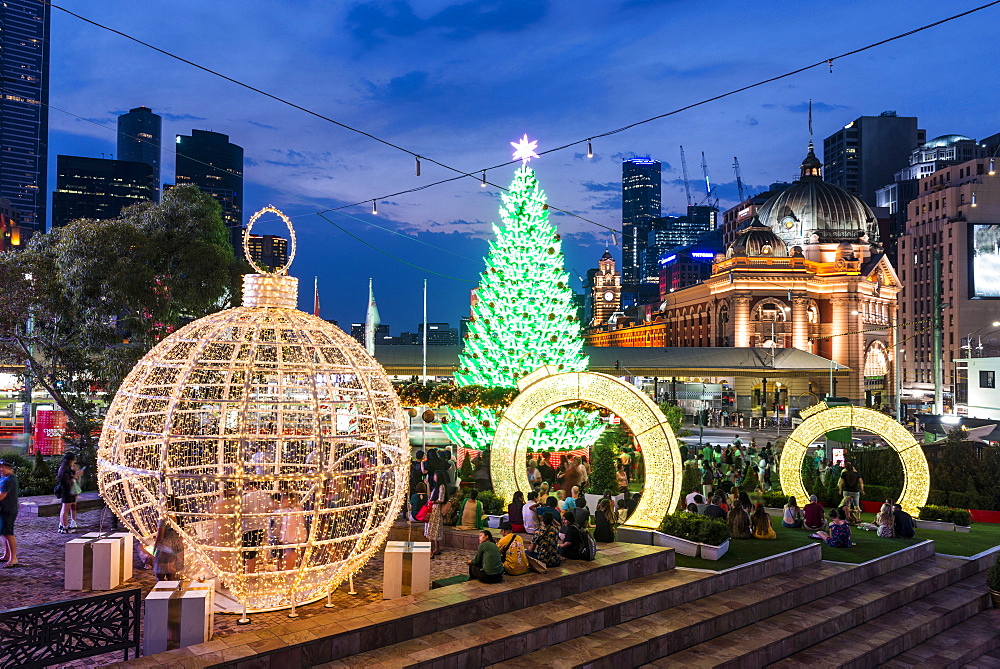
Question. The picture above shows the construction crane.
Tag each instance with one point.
(684, 168)
(739, 178)
(709, 200)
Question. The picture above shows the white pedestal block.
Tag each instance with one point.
(178, 614)
(93, 564)
(406, 569)
(127, 552)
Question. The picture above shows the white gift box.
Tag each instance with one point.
(93, 564)
(127, 548)
(406, 569)
(178, 614)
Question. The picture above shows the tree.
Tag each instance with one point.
(675, 416)
(524, 318)
(83, 303)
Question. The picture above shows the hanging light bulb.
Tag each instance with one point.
(590, 149)
(614, 238)
(483, 184)
(418, 165)
(375, 207)
(992, 170)
(974, 200)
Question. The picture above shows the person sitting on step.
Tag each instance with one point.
(487, 566)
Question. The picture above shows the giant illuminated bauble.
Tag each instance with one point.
(269, 439)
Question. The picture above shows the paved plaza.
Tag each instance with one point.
(39, 579)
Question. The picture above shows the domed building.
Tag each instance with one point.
(808, 272)
(815, 214)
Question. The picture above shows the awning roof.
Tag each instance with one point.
(640, 361)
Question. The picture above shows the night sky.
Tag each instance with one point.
(459, 81)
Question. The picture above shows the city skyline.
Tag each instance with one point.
(311, 165)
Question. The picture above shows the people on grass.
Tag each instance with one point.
(512, 551)
(839, 534)
(714, 509)
(487, 566)
(792, 517)
(760, 522)
(690, 498)
(885, 521)
(903, 523)
(813, 514)
(739, 522)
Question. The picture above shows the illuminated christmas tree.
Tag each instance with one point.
(524, 318)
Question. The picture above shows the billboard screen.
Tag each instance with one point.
(985, 260)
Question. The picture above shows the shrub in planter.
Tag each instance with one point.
(774, 499)
(946, 515)
(692, 527)
(492, 505)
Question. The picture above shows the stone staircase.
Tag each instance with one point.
(631, 608)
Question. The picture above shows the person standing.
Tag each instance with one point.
(416, 471)
(851, 485)
(434, 527)
(8, 511)
(256, 507)
(67, 488)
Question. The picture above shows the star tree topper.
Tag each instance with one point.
(524, 150)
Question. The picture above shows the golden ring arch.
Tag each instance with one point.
(545, 389)
(821, 419)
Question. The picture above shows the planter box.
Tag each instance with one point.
(682, 546)
(634, 535)
(935, 525)
(714, 552)
(963, 528)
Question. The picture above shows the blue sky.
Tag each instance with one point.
(459, 80)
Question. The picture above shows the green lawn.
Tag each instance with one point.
(869, 546)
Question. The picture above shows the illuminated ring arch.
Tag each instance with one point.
(821, 419)
(283, 270)
(545, 389)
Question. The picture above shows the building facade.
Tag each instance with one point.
(925, 160)
(954, 225)
(269, 251)
(668, 233)
(736, 218)
(98, 188)
(862, 156)
(12, 237)
(215, 165)
(139, 134)
(833, 295)
(641, 184)
(24, 111)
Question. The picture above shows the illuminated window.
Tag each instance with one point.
(987, 379)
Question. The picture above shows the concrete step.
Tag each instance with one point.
(324, 638)
(671, 630)
(990, 660)
(956, 646)
(796, 629)
(501, 639)
(890, 634)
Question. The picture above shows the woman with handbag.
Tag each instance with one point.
(67, 488)
(436, 499)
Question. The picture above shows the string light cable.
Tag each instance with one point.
(475, 174)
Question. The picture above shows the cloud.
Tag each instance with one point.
(803, 107)
(404, 87)
(180, 117)
(607, 186)
(262, 125)
(752, 120)
(375, 23)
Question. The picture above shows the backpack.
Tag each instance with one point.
(588, 547)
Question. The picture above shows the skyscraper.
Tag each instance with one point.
(671, 232)
(862, 156)
(640, 205)
(24, 112)
(268, 251)
(215, 165)
(98, 188)
(139, 140)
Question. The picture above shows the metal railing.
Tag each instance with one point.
(48, 634)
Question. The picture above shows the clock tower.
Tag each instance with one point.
(605, 291)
